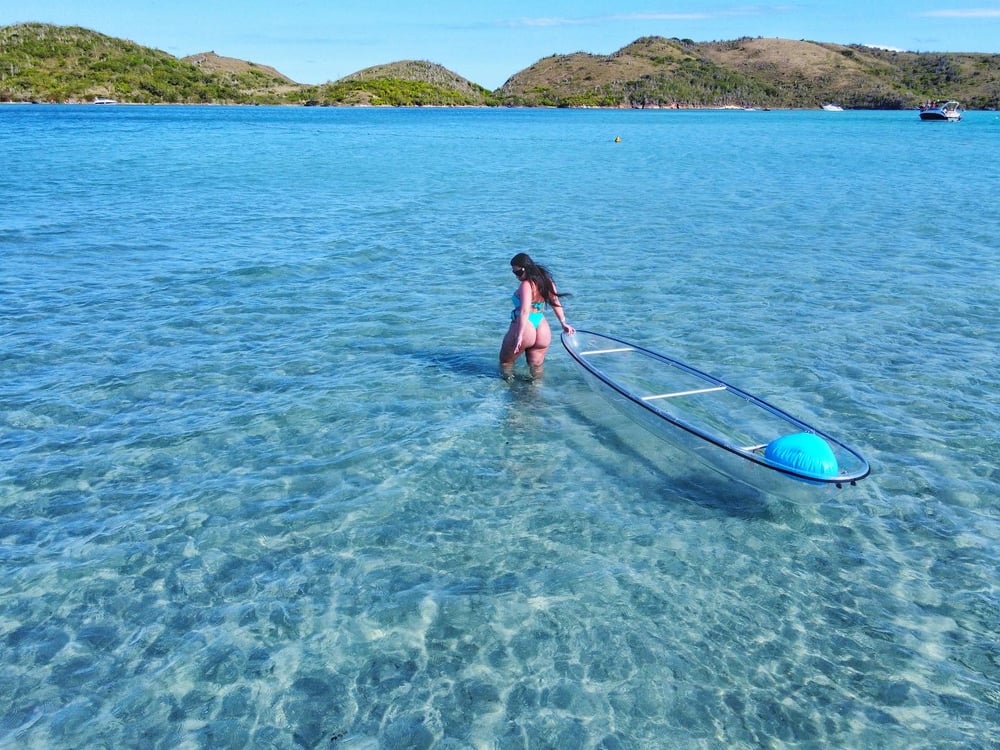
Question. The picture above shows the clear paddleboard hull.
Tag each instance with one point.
(724, 427)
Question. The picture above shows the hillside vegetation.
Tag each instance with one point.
(658, 72)
(41, 62)
(401, 84)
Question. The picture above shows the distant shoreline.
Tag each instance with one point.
(44, 63)
(287, 105)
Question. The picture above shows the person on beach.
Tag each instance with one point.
(529, 331)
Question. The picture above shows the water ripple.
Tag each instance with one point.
(261, 486)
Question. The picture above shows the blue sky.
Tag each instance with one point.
(314, 41)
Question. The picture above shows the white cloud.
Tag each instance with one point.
(746, 10)
(538, 23)
(967, 13)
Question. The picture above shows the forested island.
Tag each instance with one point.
(47, 63)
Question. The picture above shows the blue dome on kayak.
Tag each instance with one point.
(803, 452)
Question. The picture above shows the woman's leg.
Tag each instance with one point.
(508, 352)
(535, 354)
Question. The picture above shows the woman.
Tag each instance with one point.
(529, 331)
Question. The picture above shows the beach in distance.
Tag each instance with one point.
(262, 485)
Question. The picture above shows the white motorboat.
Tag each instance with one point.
(950, 111)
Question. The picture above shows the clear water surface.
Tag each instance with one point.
(261, 487)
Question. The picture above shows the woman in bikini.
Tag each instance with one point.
(529, 331)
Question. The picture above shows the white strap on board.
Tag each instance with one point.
(607, 351)
(685, 393)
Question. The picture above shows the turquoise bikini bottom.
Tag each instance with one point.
(534, 318)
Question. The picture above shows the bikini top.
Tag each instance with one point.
(535, 306)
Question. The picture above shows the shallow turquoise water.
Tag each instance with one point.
(260, 485)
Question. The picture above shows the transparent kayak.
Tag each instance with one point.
(734, 432)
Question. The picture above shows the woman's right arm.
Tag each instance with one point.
(524, 293)
(560, 312)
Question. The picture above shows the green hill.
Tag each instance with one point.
(41, 62)
(658, 72)
(401, 84)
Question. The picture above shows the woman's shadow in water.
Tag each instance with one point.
(691, 481)
(461, 363)
(476, 365)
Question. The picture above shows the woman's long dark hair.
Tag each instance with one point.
(539, 275)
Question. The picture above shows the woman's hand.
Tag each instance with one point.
(567, 328)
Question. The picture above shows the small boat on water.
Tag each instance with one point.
(833, 108)
(950, 111)
(104, 100)
(730, 430)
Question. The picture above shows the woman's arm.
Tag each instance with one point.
(524, 292)
(557, 308)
